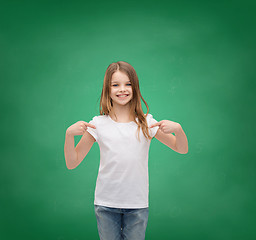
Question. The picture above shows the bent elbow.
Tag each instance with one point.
(182, 152)
(70, 167)
(185, 152)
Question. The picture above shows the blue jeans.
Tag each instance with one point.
(121, 223)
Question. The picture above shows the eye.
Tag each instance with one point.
(129, 84)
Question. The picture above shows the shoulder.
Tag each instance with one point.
(150, 119)
(99, 118)
(148, 116)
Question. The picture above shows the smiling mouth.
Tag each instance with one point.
(123, 95)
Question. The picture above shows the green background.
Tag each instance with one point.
(195, 61)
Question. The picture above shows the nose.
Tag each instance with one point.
(122, 87)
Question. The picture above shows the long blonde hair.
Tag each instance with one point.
(136, 108)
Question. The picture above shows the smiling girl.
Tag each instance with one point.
(123, 133)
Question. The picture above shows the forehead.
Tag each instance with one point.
(120, 77)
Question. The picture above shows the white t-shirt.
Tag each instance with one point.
(122, 180)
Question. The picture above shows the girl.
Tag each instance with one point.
(123, 133)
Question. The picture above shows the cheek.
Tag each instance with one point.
(112, 92)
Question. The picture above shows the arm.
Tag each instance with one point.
(164, 134)
(181, 141)
(75, 155)
(69, 150)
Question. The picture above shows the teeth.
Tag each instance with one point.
(122, 95)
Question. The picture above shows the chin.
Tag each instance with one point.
(122, 102)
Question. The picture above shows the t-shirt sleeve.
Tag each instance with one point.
(151, 120)
(93, 131)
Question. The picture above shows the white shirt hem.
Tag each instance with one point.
(114, 205)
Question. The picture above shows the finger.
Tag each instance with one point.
(83, 128)
(155, 124)
(90, 125)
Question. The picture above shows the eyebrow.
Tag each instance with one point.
(116, 81)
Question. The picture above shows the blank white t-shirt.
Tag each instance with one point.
(122, 180)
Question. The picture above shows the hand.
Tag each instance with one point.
(79, 128)
(167, 126)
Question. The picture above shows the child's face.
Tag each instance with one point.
(121, 85)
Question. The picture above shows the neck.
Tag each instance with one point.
(121, 113)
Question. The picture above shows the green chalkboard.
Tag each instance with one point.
(195, 62)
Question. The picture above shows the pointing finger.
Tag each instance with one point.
(155, 124)
(90, 125)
